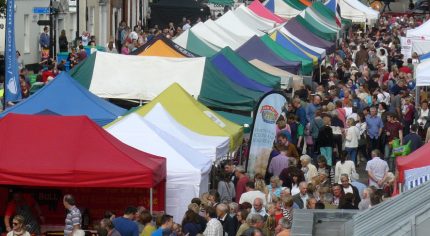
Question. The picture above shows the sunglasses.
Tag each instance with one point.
(15, 223)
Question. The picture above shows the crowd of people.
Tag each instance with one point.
(348, 119)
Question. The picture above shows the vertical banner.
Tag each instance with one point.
(406, 45)
(263, 133)
(12, 87)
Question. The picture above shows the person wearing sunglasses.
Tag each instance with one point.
(18, 227)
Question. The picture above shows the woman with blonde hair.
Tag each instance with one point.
(275, 186)
(260, 185)
(18, 227)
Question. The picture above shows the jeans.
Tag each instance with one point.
(327, 152)
(352, 153)
(390, 160)
(373, 144)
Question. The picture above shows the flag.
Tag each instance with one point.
(334, 6)
(12, 86)
(263, 132)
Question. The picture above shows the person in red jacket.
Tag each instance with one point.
(241, 183)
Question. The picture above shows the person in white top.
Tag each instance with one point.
(308, 168)
(214, 226)
(344, 166)
(18, 227)
(423, 115)
(362, 127)
(377, 170)
(351, 140)
(251, 194)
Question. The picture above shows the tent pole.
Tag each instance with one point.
(140, 103)
(150, 200)
(417, 92)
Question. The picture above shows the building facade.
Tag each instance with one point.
(99, 17)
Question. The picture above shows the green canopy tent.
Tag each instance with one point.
(244, 121)
(222, 2)
(327, 14)
(219, 92)
(317, 28)
(307, 63)
(296, 4)
(198, 46)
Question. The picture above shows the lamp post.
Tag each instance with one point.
(51, 36)
(77, 21)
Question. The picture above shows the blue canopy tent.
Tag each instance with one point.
(295, 47)
(235, 75)
(320, 54)
(65, 96)
(425, 57)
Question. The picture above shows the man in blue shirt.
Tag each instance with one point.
(125, 224)
(165, 228)
(374, 130)
(313, 107)
(44, 38)
(300, 111)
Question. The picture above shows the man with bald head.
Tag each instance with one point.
(258, 208)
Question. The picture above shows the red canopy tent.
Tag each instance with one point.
(75, 153)
(415, 163)
(258, 8)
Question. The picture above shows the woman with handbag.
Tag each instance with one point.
(226, 188)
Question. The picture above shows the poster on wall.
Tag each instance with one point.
(263, 133)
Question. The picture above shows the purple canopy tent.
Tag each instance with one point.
(255, 49)
(308, 37)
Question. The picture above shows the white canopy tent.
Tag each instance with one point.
(236, 28)
(204, 33)
(187, 169)
(372, 16)
(289, 80)
(422, 73)
(351, 13)
(220, 32)
(252, 20)
(143, 78)
(282, 9)
(420, 32)
(215, 147)
(420, 38)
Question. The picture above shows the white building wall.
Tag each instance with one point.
(27, 32)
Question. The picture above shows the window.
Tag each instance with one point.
(26, 33)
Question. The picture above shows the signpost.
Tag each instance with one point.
(41, 10)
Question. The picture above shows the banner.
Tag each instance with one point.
(406, 44)
(12, 86)
(416, 177)
(263, 133)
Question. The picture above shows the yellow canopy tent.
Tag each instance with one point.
(193, 115)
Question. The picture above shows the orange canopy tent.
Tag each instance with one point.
(163, 47)
(306, 3)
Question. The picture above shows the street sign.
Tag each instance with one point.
(41, 10)
(43, 22)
